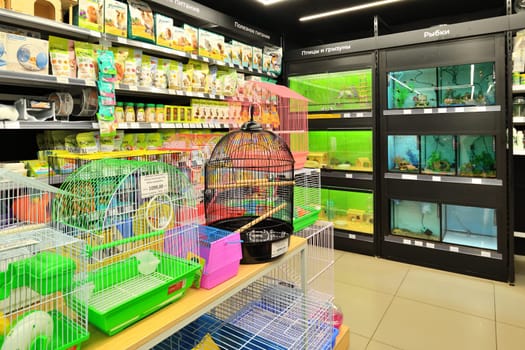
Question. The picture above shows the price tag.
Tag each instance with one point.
(250, 69)
(90, 82)
(408, 177)
(122, 125)
(359, 114)
(442, 110)
(194, 57)
(212, 96)
(418, 243)
(94, 125)
(121, 40)
(178, 125)
(94, 33)
(407, 111)
(154, 125)
(481, 109)
(459, 109)
(132, 87)
(12, 125)
(454, 249)
(352, 236)
(231, 65)
(63, 80)
(436, 178)
(486, 254)
(171, 91)
(477, 181)
(117, 85)
(427, 111)
(157, 90)
(153, 185)
(185, 125)
(206, 125)
(349, 176)
(206, 59)
(407, 241)
(200, 94)
(430, 245)
(347, 115)
(134, 125)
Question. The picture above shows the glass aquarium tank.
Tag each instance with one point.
(337, 91)
(415, 219)
(348, 210)
(438, 154)
(403, 153)
(470, 226)
(415, 88)
(467, 85)
(477, 155)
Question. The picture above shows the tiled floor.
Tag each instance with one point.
(389, 305)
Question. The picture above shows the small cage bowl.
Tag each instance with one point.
(249, 189)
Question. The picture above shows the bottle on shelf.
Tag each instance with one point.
(129, 112)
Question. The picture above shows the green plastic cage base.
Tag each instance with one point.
(66, 334)
(306, 220)
(132, 295)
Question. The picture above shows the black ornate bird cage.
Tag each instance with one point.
(249, 189)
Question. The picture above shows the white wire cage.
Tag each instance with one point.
(307, 198)
(42, 274)
(140, 219)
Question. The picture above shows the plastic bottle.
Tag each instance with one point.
(129, 112)
(141, 114)
(159, 113)
(150, 113)
(119, 112)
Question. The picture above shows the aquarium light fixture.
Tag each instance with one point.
(347, 9)
(472, 87)
(269, 2)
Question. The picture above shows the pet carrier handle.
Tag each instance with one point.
(90, 250)
(260, 218)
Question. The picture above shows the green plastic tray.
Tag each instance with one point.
(304, 221)
(122, 296)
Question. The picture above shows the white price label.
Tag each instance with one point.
(200, 94)
(436, 178)
(486, 254)
(153, 185)
(481, 109)
(167, 126)
(122, 125)
(407, 241)
(194, 57)
(459, 109)
(205, 125)
(359, 115)
(134, 125)
(154, 125)
(352, 236)
(185, 125)
(121, 40)
(477, 181)
(250, 69)
(427, 110)
(442, 110)
(347, 115)
(133, 87)
(90, 82)
(418, 243)
(206, 59)
(178, 125)
(63, 80)
(407, 111)
(349, 176)
(94, 125)
(94, 33)
(430, 245)
(454, 249)
(408, 177)
(11, 125)
(279, 248)
(171, 91)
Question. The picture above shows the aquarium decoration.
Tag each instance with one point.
(438, 153)
(477, 156)
(337, 91)
(415, 219)
(403, 153)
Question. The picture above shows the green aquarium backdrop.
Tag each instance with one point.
(467, 85)
(477, 155)
(470, 226)
(348, 210)
(338, 91)
(341, 149)
(415, 88)
(438, 154)
(415, 219)
(403, 153)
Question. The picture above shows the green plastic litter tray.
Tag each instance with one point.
(308, 219)
(122, 294)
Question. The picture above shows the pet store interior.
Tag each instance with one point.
(262, 174)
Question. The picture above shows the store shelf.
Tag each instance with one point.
(445, 179)
(518, 88)
(354, 235)
(34, 80)
(484, 253)
(39, 23)
(158, 326)
(211, 125)
(124, 89)
(48, 125)
(442, 110)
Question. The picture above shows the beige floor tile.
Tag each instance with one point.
(412, 325)
(370, 272)
(375, 345)
(510, 337)
(450, 291)
(362, 308)
(510, 304)
(358, 342)
(338, 254)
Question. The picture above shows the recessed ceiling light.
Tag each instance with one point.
(346, 9)
(269, 2)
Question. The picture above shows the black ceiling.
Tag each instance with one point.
(283, 18)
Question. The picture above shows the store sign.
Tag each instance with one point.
(436, 33)
(185, 6)
(336, 49)
(250, 30)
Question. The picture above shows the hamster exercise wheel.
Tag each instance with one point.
(141, 222)
(249, 181)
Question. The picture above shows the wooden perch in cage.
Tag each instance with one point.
(260, 218)
(23, 228)
(258, 183)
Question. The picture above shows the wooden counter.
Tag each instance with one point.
(153, 329)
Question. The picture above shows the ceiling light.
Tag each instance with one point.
(346, 9)
(269, 2)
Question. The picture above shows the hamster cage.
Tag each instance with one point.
(42, 272)
(140, 224)
(249, 181)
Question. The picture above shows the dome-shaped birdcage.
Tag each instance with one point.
(249, 189)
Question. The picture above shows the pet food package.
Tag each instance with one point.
(116, 18)
(24, 54)
(121, 55)
(164, 30)
(62, 54)
(236, 52)
(175, 75)
(266, 62)
(192, 36)
(228, 59)
(247, 56)
(257, 58)
(160, 79)
(276, 54)
(89, 14)
(200, 80)
(179, 39)
(211, 45)
(86, 57)
(141, 25)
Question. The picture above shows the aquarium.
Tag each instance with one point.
(338, 91)
(348, 210)
(403, 153)
(438, 154)
(470, 226)
(467, 85)
(415, 219)
(412, 88)
(477, 155)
